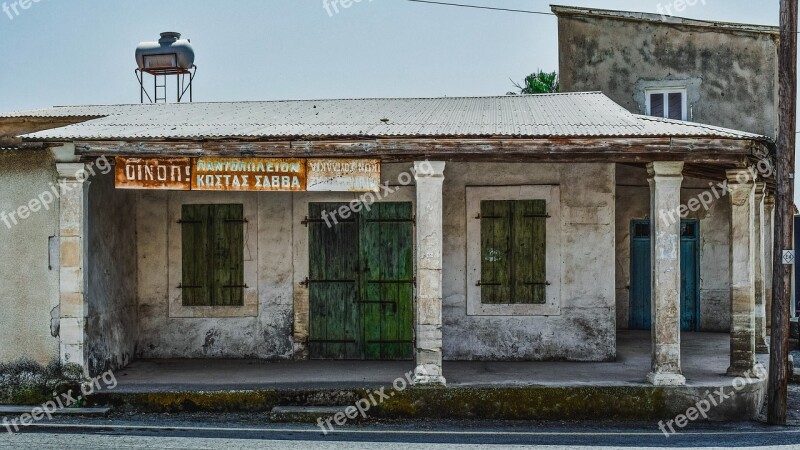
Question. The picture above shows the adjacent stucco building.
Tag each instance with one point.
(706, 72)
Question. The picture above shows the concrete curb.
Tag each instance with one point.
(14, 410)
(505, 403)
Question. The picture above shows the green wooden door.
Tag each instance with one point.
(333, 282)
(361, 283)
(387, 256)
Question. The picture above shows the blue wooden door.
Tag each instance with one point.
(690, 270)
(641, 273)
(640, 276)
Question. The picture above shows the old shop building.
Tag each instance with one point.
(492, 235)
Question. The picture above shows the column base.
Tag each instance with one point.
(762, 349)
(423, 377)
(666, 379)
(734, 371)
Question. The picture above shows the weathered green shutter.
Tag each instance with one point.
(227, 256)
(212, 255)
(496, 251)
(530, 276)
(513, 251)
(195, 281)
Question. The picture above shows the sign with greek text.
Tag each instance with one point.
(249, 174)
(153, 173)
(344, 175)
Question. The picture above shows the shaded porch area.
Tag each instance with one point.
(705, 359)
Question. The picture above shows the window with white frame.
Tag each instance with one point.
(667, 103)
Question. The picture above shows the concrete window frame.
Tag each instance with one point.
(666, 91)
(175, 261)
(552, 195)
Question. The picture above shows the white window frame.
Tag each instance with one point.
(552, 195)
(665, 92)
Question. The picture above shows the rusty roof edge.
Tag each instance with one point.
(635, 16)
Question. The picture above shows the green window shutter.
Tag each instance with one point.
(227, 255)
(195, 281)
(496, 251)
(530, 246)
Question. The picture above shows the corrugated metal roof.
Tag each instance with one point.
(589, 114)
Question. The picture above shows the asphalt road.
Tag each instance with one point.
(160, 432)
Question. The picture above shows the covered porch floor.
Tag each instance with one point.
(705, 358)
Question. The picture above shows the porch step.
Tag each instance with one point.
(13, 410)
(303, 414)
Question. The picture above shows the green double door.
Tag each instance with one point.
(361, 282)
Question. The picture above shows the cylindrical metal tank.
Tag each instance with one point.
(170, 52)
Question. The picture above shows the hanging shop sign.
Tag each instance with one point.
(249, 174)
(153, 173)
(343, 175)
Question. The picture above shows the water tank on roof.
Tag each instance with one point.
(170, 54)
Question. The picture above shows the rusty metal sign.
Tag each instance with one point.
(248, 174)
(344, 175)
(153, 173)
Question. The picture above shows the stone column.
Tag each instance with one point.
(741, 186)
(769, 232)
(73, 195)
(760, 269)
(665, 180)
(429, 178)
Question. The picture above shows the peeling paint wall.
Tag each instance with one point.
(111, 267)
(30, 288)
(633, 203)
(730, 76)
(586, 329)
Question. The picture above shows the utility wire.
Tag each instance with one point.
(524, 11)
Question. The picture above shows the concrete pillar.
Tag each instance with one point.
(429, 178)
(741, 186)
(760, 269)
(73, 189)
(769, 230)
(665, 180)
